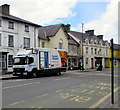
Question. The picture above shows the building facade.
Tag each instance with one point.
(116, 56)
(73, 54)
(15, 34)
(53, 36)
(94, 49)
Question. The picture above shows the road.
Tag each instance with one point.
(73, 89)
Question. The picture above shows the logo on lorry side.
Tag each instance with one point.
(54, 57)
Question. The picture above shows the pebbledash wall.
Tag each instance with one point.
(15, 34)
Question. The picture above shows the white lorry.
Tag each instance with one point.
(32, 62)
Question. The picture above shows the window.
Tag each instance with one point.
(10, 41)
(95, 51)
(0, 23)
(26, 28)
(91, 50)
(86, 61)
(0, 40)
(26, 42)
(60, 45)
(11, 25)
(115, 62)
(86, 50)
(106, 52)
(10, 60)
(43, 45)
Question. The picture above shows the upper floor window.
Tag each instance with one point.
(0, 40)
(95, 51)
(10, 41)
(0, 23)
(106, 52)
(43, 45)
(91, 50)
(26, 42)
(86, 61)
(60, 45)
(11, 25)
(86, 50)
(26, 28)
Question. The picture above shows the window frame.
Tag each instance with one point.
(27, 28)
(10, 44)
(43, 45)
(26, 44)
(0, 39)
(10, 60)
(10, 25)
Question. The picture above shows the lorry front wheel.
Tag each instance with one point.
(34, 74)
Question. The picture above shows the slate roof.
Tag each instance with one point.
(49, 31)
(85, 35)
(72, 41)
(117, 46)
(14, 18)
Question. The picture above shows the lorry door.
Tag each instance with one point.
(46, 61)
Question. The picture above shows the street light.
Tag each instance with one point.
(82, 67)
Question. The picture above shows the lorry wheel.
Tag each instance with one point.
(34, 74)
(58, 73)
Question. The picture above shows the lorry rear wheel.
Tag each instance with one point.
(58, 73)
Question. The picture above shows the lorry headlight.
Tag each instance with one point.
(25, 73)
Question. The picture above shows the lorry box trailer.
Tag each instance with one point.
(32, 62)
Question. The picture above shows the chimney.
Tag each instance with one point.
(4, 9)
(100, 37)
(67, 27)
(90, 32)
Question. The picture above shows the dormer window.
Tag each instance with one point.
(26, 28)
(11, 25)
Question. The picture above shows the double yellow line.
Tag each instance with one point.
(103, 99)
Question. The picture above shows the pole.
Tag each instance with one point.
(112, 72)
(82, 49)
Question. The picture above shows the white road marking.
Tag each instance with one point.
(20, 85)
(62, 78)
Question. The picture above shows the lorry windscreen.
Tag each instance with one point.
(20, 61)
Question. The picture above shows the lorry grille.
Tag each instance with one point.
(18, 69)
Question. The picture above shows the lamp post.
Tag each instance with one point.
(82, 49)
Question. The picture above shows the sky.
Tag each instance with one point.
(100, 15)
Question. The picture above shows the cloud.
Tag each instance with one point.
(41, 11)
(107, 24)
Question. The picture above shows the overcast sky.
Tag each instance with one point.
(100, 15)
